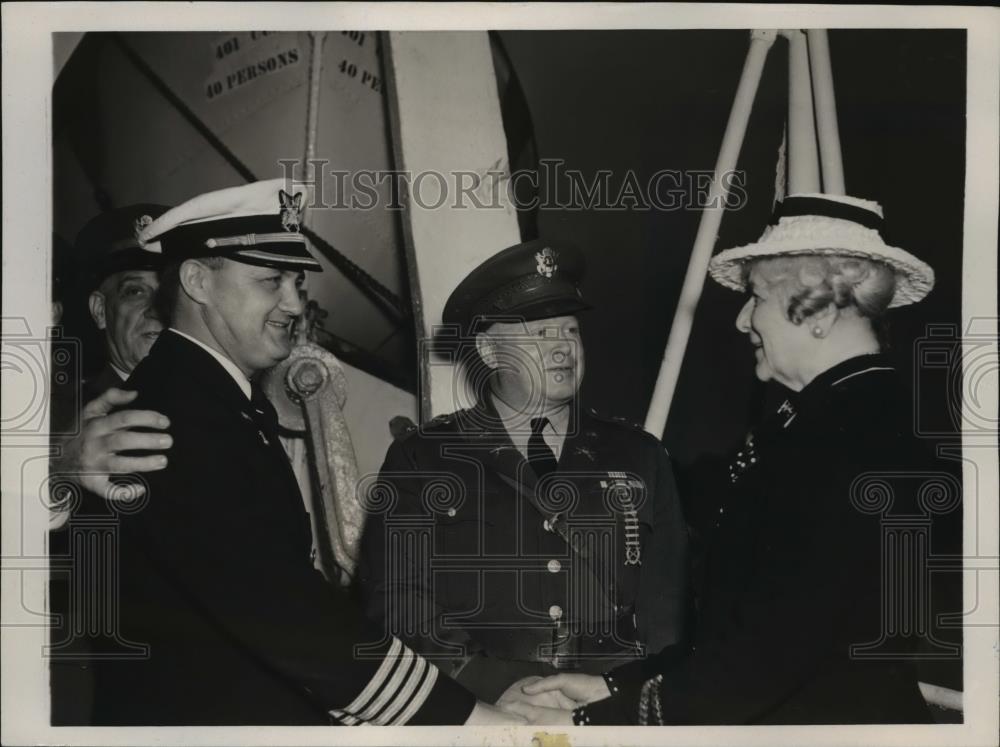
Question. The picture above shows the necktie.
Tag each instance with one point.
(540, 456)
(266, 416)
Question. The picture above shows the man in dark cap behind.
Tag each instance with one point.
(122, 279)
(525, 535)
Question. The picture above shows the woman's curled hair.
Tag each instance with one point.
(814, 281)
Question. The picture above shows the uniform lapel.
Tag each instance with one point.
(242, 434)
(204, 372)
(504, 460)
(500, 456)
(579, 461)
(201, 370)
(580, 452)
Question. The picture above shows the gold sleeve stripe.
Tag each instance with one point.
(421, 696)
(399, 688)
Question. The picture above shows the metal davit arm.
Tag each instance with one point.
(340, 518)
(309, 390)
(708, 230)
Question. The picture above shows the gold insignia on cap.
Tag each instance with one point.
(291, 210)
(140, 223)
(546, 260)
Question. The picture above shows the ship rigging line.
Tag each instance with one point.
(382, 297)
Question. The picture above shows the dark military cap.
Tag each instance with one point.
(109, 243)
(535, 280)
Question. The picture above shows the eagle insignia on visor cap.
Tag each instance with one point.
(291, 210)
(546, 260)
(140, 224)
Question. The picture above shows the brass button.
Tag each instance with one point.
(554, 566)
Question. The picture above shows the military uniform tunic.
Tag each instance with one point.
(497, 574)
(71, 679)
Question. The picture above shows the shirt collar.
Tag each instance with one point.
(118, 372)
(238, 376)
(518, 425)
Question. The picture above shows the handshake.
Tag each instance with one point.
(549, 701)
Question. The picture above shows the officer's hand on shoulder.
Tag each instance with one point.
(90, 458)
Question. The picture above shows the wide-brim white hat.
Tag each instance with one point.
(827, 225)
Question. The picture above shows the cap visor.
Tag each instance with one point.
(298, 260)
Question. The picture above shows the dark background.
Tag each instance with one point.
(651, 100)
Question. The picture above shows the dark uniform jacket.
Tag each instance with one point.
(217, 581)
(806, 609)
(469, 557)
(99, 383)
(71, 680)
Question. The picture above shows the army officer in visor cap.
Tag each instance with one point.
(555, 535)
(123, 281)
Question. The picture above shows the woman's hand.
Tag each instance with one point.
(540, 715)
(582, 688)
(545, 698)
(486, 715)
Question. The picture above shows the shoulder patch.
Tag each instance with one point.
(441, 421)
(624, 424)
(407, 432)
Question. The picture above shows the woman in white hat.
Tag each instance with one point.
(797, 622)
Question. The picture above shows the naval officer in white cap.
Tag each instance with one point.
(216, 577)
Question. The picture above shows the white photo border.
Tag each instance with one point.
(27, 168)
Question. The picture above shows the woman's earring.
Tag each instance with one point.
(817, 331)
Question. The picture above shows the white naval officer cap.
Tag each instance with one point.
(255, 223)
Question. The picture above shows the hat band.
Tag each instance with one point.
(514, 294)
(252, 239)
(122, 244)
(130, 258)
(792, 207)
(196, 234)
